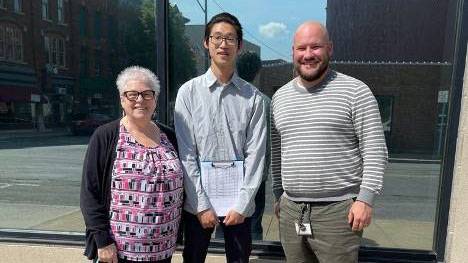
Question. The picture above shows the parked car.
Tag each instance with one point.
(85, 124)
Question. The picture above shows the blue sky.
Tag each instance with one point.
(267, 23)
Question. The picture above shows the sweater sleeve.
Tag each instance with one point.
(369, 131)
(275, 156)
(93, 203)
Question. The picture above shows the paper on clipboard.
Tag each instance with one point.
(222, 182)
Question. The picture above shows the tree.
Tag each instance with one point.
(139, 41)
(248, 65)
(181, 58)
(140, 46)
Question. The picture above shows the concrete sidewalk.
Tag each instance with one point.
(13, 253)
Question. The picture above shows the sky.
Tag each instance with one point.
(269, 24)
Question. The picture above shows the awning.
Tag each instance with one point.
(18, 94)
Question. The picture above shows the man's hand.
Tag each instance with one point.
(108, 254)
(276, 207)
(359, 215)
(208, 218)
(233, 218)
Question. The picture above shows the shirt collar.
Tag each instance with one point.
(210, 79)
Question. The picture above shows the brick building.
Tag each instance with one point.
(55, 55)
(405, 59)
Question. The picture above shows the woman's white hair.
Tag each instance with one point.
(137, 73)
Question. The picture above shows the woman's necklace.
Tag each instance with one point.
(149, 136)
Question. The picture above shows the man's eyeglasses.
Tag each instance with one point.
(218, 40)
(133, 95)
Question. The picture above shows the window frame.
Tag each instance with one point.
(12, 42)
(271, 248)
(60, 12)
(2, 42)
(18, 6)
(55, 50)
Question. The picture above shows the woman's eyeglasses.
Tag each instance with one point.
(132, 95)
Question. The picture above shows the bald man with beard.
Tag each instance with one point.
(328, 155)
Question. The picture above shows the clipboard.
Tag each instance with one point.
(222, 181)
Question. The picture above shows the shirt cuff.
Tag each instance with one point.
(203, 204)
(366, 196)
(103, 239)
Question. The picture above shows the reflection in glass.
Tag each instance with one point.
(57, 75)
(61, 72)
(402, 53)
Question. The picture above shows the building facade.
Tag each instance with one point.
(55, 58)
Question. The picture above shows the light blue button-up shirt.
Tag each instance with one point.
(216, 122)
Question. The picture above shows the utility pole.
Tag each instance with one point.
(205, 11)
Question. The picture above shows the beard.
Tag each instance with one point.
(314, 75)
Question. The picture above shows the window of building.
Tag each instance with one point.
(2, 42)
(61, 51)
(55, 50)
(83, 21)
(111, 30)
(18, 45)
(97, 25)
(2, 3)
(11, 43)
(84, 61)
(18, 6)
(60, 12)
(98, 62)
(45, 9)
(46, 49)
(390, 57)
(40, 178)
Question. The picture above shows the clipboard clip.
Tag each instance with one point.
(226, 164)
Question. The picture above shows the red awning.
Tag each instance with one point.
(16, 94)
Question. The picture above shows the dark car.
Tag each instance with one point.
(85, 124)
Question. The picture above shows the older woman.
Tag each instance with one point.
(131, 192)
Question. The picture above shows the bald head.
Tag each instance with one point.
(312, 28)
(312, 50)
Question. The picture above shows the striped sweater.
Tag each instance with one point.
(327, 142)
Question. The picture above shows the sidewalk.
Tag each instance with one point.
(31, 133)
(13, 253)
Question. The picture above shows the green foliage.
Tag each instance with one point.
(248, 65)
(139, 41)
(182, 65)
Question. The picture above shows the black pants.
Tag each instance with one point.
(237, 240)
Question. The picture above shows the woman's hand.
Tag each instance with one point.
(108, 254)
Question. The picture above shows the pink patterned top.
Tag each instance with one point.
(146, 199)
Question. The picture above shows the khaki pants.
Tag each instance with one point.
(332, 240)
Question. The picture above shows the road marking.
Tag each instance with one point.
(27, 184)
(4, 185)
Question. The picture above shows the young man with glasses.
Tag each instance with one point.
(220, 118)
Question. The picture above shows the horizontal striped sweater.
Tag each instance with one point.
(327, 142)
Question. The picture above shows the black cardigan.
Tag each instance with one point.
(96, 181)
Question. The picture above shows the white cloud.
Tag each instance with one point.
(272, 29)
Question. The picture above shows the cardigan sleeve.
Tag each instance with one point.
(93, 201)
